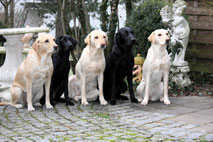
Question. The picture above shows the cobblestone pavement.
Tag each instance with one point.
(123, 122)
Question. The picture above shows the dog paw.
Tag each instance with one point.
(84, 102)
(37, 104)
(69, 103)
(162, 99)
(103, 102)
(144, 102)
(113, 102)
(18, 106)
(49, 106)
(134, 100)
(31, 108)
(77, 98)
(140, 99)
(166, 102)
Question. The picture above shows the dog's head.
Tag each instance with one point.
(66, 43)
(160, 37)
(45, 44)
(97, 39)
(125, 37)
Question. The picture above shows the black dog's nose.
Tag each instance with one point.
(133, 40)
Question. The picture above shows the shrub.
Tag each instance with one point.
(144, 20)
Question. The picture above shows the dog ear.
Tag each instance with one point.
(88, 40)
(58, 41)
(74, 42)
(107, 40)
(116, 41)
(151, 38)
(36, 46)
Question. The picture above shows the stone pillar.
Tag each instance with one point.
(13, 47)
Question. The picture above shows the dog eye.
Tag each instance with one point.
(54, 39)
(46, 40)
(159, 34)
(104, 36)
(96, 37)
(167, 33)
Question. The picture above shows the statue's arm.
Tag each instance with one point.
(178, 21)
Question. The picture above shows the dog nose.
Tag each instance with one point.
(133, 40)
(167, 41)
(55, 47)
(103, 45)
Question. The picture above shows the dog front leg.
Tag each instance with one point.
(66, 93)
(47, 91)
(83, 91)
(29, 95)
(165, 80)
(146, 96)
(132, 96)
(100, 85)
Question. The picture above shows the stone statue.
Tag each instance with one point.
(26, 38)
(179, 29)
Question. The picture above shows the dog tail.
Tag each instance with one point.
(4, 103)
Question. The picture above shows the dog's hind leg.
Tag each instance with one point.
(16, 93)
(140, 91)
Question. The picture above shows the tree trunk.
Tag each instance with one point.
(6, 4)
(81, 18)
(12, 14)
(73, 13)
(128, 4)
(62, 16)
(58, 25)
(113, 24)
(104, 15)
(87, 20)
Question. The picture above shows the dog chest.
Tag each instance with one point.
(94, 67)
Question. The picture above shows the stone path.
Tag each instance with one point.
(186, 119)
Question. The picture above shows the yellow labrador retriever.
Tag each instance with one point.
(156, 67)
(35, 71)
(89, 70)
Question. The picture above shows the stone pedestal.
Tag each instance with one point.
(180, 76)
(13, 59)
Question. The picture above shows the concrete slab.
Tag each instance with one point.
(195, 118)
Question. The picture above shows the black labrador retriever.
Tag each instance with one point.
(61, 63)
(119, 64)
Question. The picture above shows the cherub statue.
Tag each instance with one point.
(179, 28)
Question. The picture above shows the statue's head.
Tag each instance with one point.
(166, 14)
(178, 6)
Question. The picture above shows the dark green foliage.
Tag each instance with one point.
(144, 20)
(174, 49)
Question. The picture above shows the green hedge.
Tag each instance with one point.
(144, 20)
